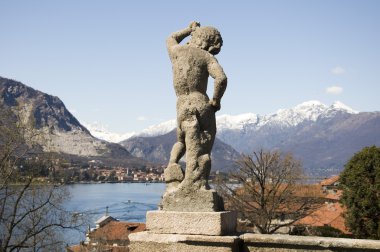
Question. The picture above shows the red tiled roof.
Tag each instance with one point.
(88, 248)
(116, 230)
(329, 181)
(334, 196)
(77, 248)
(329, 214)
(299, 190)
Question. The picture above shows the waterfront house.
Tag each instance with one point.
(110, 235)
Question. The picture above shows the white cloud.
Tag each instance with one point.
(334, 90)
(142, 118)
(338, 70)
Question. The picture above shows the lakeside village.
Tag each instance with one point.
(95, 171)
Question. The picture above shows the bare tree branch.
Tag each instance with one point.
(267, 190)
(31, 214)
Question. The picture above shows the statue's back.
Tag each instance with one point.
(190, 72)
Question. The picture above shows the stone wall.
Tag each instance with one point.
(151, 242)
(286, 243)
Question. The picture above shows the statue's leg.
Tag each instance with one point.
(199, 137)
(173, 172)
(178, 149)
(193, 193)
(207, 136)
(193, 150)
(204, 163)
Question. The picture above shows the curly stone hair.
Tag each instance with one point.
(206, 38)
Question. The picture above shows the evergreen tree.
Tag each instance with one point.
(360, 182)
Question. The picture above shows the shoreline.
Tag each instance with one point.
(116, 182)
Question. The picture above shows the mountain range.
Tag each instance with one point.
(322, 137)
(55, 128)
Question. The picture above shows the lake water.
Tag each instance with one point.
(125, 201)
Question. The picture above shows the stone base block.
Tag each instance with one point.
(189, 200)
(196, 223)
(151, 242)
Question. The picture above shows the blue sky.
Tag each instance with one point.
(107, 60)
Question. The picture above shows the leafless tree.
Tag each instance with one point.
(31, 212)
(268, 193)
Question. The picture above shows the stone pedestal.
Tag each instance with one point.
(197, 223)
(187, 231)
(151, 242)
(192, 200)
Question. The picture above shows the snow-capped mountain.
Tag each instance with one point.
(101, 131)
(243, 132)
(291, 117)
(322, 137)
(307, 111)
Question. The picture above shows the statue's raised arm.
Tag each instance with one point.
(176, 37)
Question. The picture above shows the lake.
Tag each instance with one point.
(125, 201)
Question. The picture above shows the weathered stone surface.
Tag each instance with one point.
(197, 223)
(173, 177)
(192, 64)
(150, 242)
(287, 243)
(192, 200)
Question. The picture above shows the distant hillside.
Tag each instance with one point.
(324, 144)
(56, 128)
(157, 149)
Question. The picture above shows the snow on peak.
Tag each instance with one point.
(235, 122)
(310, 104)
(343, 107)
(159, 129)
(101, 131)
(306, 111)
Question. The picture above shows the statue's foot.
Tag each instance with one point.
(191, 185)
(173, 177)
(173, 173)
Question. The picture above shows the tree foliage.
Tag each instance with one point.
(266, 193)
(360, 182)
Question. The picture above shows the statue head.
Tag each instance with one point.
(207, 38)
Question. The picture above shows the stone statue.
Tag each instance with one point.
(192, 64)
